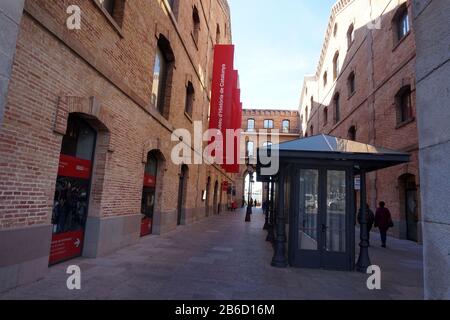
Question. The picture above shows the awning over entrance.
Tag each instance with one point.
(315, 187)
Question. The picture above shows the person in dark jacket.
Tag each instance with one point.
(370, 218)
(383, 221)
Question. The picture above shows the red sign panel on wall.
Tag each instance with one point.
(74, 167)
(65, 246)
(149, 181)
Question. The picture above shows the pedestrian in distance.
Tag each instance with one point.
(383, 221)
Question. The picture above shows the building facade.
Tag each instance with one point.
(364, 90)
(96, 90)
(432, 29)
(262, 127)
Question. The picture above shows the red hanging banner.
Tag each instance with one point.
(222, 91)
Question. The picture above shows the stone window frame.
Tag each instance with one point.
(118, 15)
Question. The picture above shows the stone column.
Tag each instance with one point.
(10, 15)
(432, 30)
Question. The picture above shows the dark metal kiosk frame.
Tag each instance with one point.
(315, 196)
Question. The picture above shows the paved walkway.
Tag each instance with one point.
(224, 258)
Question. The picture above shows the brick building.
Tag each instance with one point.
(364, 89)
(87, 124)
(280, 125)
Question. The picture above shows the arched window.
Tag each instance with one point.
(190, 98)
(337, 108)
(352, 133)
(335, 30)
(336, 65)
(401, 22)
(286, 126)
(218, 34)
(350, 35)
(325, 78)
(115, 8)
(311, 130)
(162, 76)
(196, 25)
(250, 124)
(312, 102)
(250, 149)
(404, 105)
(268, 124)
(325, 116)
(351, 83)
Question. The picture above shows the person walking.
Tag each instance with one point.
(370, 219)
(383, 221)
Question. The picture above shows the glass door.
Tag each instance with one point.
(307, 235)
(335, 220)
(321, 233)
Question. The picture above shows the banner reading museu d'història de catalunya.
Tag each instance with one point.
(225, 103)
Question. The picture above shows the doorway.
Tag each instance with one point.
(181, 194)
(410, 206)
(215, 198)
(322, 233)
(149, 193)
(72, 191)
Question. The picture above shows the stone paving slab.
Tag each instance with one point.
(224, 258)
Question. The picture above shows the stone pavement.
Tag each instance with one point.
(222, 257)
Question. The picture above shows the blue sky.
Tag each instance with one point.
(277, 43)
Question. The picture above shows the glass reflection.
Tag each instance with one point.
(308, 215)
(336, 209)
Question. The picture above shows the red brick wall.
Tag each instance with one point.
(53, 63)
(382, 68)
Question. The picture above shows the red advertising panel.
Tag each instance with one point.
(74, 167)
(146, 226)
(222, 90)
(225, 186)
(149, 181)
(65, 246)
